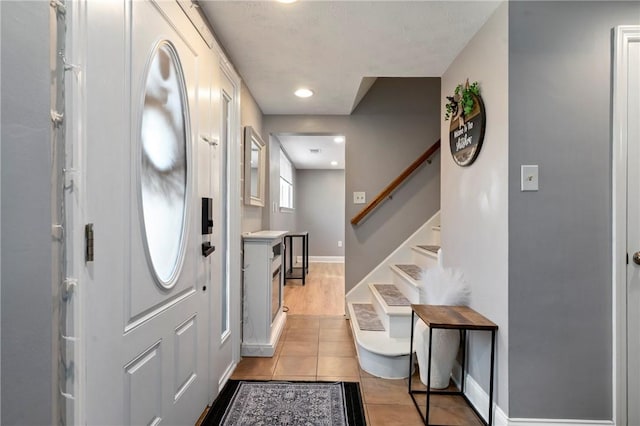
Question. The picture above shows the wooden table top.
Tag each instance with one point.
(455, 317)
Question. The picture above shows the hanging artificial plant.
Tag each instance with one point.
(463, 98)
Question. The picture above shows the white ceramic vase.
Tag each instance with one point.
(445, 346)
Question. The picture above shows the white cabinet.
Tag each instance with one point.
(262, 317)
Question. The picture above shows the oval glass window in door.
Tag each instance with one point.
(163, 170)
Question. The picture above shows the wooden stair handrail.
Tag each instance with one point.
(396, 183)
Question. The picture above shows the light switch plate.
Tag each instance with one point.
(359, 198)
(529, 177)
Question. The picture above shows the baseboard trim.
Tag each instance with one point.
(322, 259)
(480, 400)
(558, 422)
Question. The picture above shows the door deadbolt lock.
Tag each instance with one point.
(636, 258)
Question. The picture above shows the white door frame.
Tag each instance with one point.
(623, 35)
(234, 214)
(0, 222)
(76, 112)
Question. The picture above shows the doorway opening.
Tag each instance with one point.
(312, 199)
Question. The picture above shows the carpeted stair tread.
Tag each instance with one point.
(367, 317)
(414, 271)
(431, 248)
(391, 295)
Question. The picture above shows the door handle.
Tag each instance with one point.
(636, 258)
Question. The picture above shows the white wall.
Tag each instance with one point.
(474, 199)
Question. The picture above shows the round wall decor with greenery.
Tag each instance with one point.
(466, 111)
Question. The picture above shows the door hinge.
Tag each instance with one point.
(69, 285)
(88, 242)
(57, 118)
(627, 258)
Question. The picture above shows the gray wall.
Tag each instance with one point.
(27, 359)
(474, 199)
(250, 115)
(320, 210)
(393, 125)
(560, 307)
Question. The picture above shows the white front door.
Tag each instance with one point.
(146, 310)
(626, 197)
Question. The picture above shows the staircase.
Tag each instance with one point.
(379, 304)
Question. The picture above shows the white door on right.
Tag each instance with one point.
(630, 73)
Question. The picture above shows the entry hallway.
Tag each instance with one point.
(320, 347)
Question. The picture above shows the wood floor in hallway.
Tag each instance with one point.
(322, 294)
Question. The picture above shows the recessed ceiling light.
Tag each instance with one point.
(338, 139)
(303, 93)
(334, 163)
(287, 1)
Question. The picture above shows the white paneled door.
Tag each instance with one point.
(147, 297)
(626, 223)
(633, 241)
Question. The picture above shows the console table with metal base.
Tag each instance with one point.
(290, 270)
(460, 318)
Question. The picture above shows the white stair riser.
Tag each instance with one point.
(424, 260)
(395, 325)
(400, 325)
(387, 367)
(378, 342)
(407, 288)
(435, 235)
(381, 313)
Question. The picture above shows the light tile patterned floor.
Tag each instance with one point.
(321, 348)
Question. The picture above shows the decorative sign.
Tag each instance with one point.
(468, 122)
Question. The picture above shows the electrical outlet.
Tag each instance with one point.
(359, 198)
(339, 243)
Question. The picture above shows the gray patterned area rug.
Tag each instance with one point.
(273, 403)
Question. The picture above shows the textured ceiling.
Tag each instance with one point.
(298, 148)
(330, 46)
